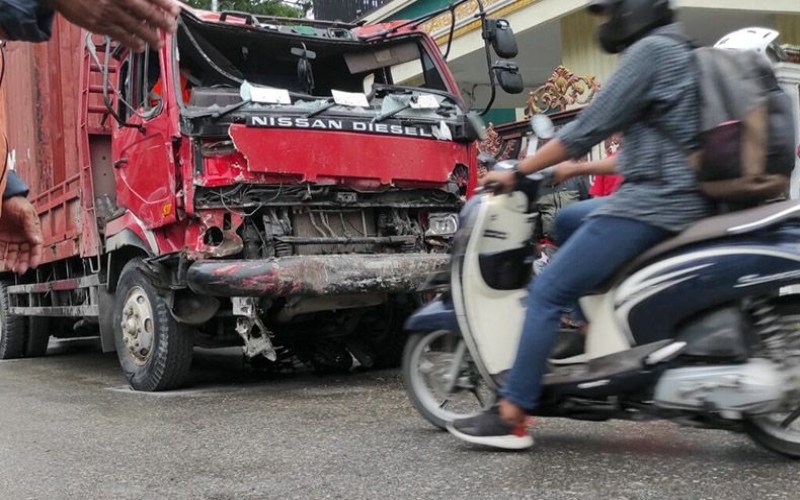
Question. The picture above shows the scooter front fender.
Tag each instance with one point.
(438, 314)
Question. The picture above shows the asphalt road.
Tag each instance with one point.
(69, 428)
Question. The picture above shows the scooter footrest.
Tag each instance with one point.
(605, 367)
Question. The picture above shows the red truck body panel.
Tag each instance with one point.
(42, 97)
(320, 156)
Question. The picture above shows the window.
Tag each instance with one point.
(142, 85)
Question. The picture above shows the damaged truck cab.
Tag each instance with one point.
(285, 185)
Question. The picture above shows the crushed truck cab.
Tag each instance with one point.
(281, 184)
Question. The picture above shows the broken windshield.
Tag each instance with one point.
(224, 67)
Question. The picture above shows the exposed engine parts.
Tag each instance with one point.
(280, 232)
(779, 338)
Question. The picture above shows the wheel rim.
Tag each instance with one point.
(431, 361)
(771, 425)
(137, 325)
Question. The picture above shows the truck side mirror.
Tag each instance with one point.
(477, 125)
(501, 36)
(508, 76)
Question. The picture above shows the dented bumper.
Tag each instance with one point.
(314, 275)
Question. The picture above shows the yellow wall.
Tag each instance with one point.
(789, 26)
(579, 52)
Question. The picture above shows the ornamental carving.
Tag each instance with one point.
(562, 90)
(492, 144)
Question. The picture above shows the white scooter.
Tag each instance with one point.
(702, 329)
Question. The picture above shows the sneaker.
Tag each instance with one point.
(489, 429)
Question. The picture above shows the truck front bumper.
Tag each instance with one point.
(314, 275)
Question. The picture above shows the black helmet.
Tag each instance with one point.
(628, 21)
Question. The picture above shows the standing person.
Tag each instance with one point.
(133, 23)
(659, 198)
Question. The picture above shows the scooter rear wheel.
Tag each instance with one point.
(768, 432)
(429, 362)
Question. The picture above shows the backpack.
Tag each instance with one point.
(747, 129)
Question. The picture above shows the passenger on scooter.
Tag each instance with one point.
(658, 198)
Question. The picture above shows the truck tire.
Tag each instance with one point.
(154, 350)
(387, 339)
(12, 329)
(38, 336)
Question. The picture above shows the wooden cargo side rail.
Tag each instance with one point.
(37, 304)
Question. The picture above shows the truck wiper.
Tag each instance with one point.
(397, 88)
(391, 113)
(219, 113)
(329, 103)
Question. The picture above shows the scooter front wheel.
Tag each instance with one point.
(441, 380)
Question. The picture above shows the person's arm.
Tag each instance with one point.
(131, 22)
(569, 169)
(618, 104)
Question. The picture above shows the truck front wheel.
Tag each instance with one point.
(155, 351)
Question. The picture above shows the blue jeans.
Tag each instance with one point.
(597, 249)
(570, 218)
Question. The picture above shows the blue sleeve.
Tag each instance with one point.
(15, 186)
(26, 20)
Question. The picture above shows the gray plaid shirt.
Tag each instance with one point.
(650, 99)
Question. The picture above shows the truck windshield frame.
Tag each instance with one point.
(222, 56)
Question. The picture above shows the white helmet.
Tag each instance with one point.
(762, 40)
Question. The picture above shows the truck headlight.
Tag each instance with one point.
(442, 224)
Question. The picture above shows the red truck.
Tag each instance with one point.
(279, 184)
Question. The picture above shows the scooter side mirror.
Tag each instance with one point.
(543, 126)
(508, 77)
(501, 36)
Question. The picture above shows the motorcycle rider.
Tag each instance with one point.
(653, 89)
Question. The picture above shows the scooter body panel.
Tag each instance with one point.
(652, 303)
(490, 311)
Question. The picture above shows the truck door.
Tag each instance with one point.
(142, 146)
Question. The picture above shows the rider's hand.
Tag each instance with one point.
(132, 22)
(20, 236)
(505, 179)
(564, 171)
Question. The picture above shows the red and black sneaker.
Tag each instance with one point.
(488, 429)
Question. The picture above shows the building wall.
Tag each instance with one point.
(789, 26)
(579, 52)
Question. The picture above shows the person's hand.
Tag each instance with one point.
(564, 171)
(20, 236)
(131, 22)
(505, 179)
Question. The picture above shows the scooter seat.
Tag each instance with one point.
(733, 223)
(711, 228)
